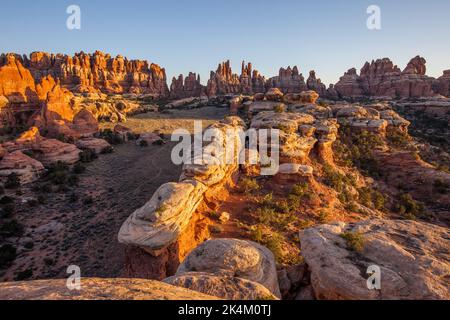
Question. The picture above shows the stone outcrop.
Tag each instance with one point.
(413, 258)
(98, 289)
(442, 84)
(50, 151)
(222, 286)
(16, 82)
(99, 72)
(223, 81)
(228, 258)
(186, 87)
(163, 220)
(94, 144)
(288, 81)
(27, 169)
(382, 79)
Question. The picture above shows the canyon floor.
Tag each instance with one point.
(80, 226)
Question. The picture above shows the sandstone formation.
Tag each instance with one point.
(222, 286)
(98, 289)
(27, 169)
(94, 144)
(442, 84)
(382, 79)
(230, 258)
(161, 221)
(50, 151)
(413, 258)
(186, 87)
(99, 72)
(16, 82)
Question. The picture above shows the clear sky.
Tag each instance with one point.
(329, 36)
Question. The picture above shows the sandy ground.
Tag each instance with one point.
(64, 232)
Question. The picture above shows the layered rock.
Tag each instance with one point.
(442, 84)
(229, 258)
(412, 257)
(382, 79)
(288, 81)
(94, 144)
(224, 81)
(99, 72)
(16, 82)
(27, 169)
(186, 87)
(160, 222)
(50, 151)
(98, 289)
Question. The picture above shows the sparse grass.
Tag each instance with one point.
(248, 185)
(355, 240)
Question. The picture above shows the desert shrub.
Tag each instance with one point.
(355, 240)
(7, 210)
(8, 254)
(143, 143)
(42, 199)
(159, 142)
(78, 168)
(335, 179)
(88, 155)
(106, 150)
(13, 181)
(73, 180)
(88, 201)
(441, 186)
(356, 149)
(248, 185)
(58, 173)
(74, 197)
(299, 189)
(323, 216)
(398, 139)
(2, 190)
(24, 275)
(11, 228)
(111, 137)
(371, 198)
(408, 207)
(6, 200)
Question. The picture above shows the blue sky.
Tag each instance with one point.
(195, 35)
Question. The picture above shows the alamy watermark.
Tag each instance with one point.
(374, 19)
(74, 280)
(73, 22)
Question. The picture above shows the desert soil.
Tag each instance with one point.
(65, 232)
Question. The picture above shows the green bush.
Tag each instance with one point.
(13, 181)
(78, 168)
(111, 137)
(408, 207)
(248, 185)
(88, 155)
(8, 254)
(106, 150)
(11, 228)
(355, 240)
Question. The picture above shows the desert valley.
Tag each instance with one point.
(87, 180)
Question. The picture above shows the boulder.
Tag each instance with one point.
(26, 168)
(148, 138)
(309, 96)
(97, 145)
(50, 151)
(222, 286)
(160, 221)
(412, 256)
(234, 258)
(274, 94)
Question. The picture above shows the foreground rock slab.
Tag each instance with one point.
(413, 258)
(98, 289)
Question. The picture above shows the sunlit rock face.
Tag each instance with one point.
(99, 72)
(383, 79)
